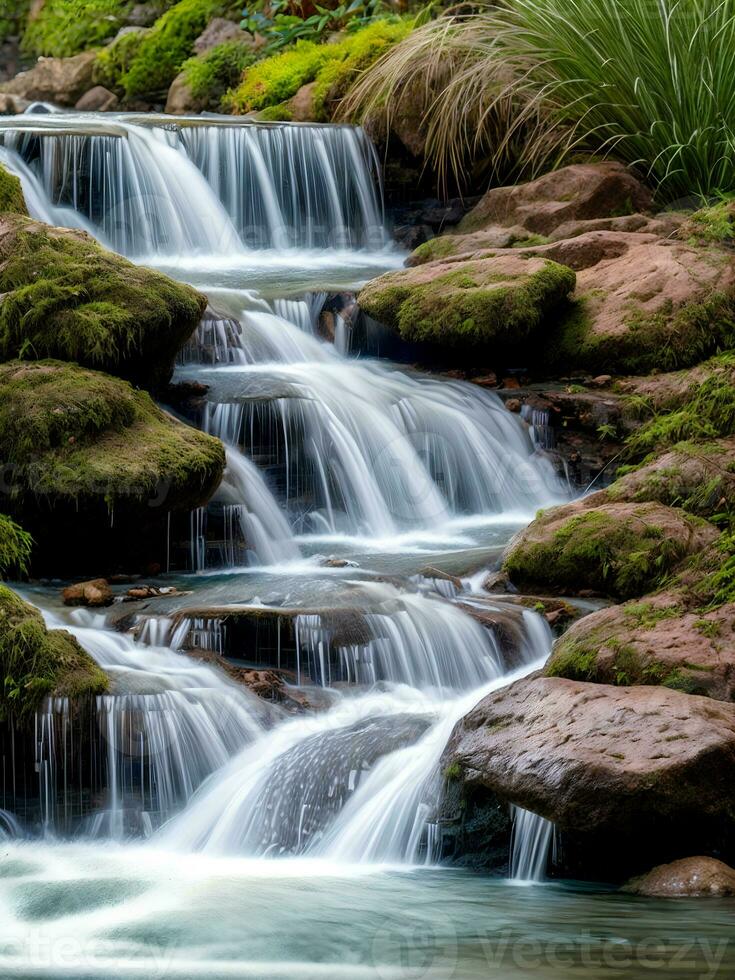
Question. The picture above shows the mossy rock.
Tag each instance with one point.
(11, 194)
(36, 663)
(652, 641)
(94, 467)
(622, 550)
(210, 75)
(64, 296)
(496, 303)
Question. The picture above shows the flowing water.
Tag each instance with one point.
(188, 828)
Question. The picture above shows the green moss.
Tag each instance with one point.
(116, 59)
(66, 27)
(36, 662)
(453, 771)
(529, 241)
(72, 433)
(359, 50)
(277, 113)
(277, 79)
(438, 248)
(66, 297)
(15, 547)
(214, 73)
(11, 194)
(471, 305)
(168, 45)
(623, 557)
(711, 225)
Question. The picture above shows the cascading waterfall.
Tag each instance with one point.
(159, 188)
(530, 845)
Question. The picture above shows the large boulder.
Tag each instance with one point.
(496, 302)
(36, 663)
(60, 80)
(180, 100)
(654, 641)
(93, 468)
(691, 877)
(617, 549)
(628, 775)
(62, 295)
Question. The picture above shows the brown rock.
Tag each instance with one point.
(601, 381)
(579, 192)
(602, 759)
(219, 30)
(96, 592)
(654, 641)
(302, 104)
(694, 877)
(513, 405)
(59, 80)
(98, 99)
(180, 101)
(12, 105)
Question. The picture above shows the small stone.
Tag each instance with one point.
(601, 381)
(513, 405)
(694, 877)
(96, 592)
(97, 99)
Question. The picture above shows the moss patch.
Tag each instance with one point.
(11, 193)
(36, 662)
(214, 73)
(67, 297)
(62, 28)
(277, 79)
(501, 301)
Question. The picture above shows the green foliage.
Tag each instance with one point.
(116, 59)
(15, 547)
(714, 224)
(36, 662)
(718, 587)
(66, 297)
(167, 46)
(67, 27)
(212, 74)
(281, 28)
(12, 18)
(534, 81)
(277, 79)
(11, 194)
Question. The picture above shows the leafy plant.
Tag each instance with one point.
(282, 28)
(531, 82)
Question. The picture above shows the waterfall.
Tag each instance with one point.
(164, 188)
(169, 723)
(530, 845)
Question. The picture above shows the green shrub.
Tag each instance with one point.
(116, 59)
(168, 45)
(12, 18)
(214, 73)
(533, 81)
(278, 78)
(66, 27)
(15, 547)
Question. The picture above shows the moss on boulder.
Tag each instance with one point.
(11, 193)
(94, 467)
(619, 549)
(36, 663)
(64, 296)
(498, 302)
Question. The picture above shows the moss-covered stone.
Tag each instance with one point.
(11, 193)
(210, 75)
(712, 224)
(94, 467)
(36, 662)
(622, 550)
(498, 301)
(277, 79)
(64, 296)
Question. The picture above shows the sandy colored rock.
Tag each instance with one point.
(98, 99)
(576, 193)
(219, 30)
(302, 104)
(96, 592)
(654, 641)
(619, 549)
(180, 100)
(693, 877)
(602, 759)
(60, 80)
(500, 301)
(12, 105)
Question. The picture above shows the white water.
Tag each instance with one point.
(530, 846)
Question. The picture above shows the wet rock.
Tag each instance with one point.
(616, 549)
(652, 641)
(693, 877)
(628, 775)
(219, 30)
(60, 80)
(12, 105)
(96, 592)
(98, 99)
(497, 302)
(100, 310)
(575, 193)
(96, 474)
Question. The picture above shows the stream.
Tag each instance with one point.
(224, 835)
